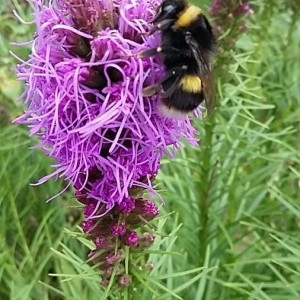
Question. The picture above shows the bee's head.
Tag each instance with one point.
(169, 9)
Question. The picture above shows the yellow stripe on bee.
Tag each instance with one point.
(191, 84)
(188, 16)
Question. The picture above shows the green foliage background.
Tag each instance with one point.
(234, 230)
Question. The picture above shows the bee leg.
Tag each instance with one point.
(160, 26)
(158, 87)
(152, 51)
(152, 90)
(149, 52)
(166, 93)
(174, 75)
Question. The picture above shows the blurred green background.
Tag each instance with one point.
(234, 233)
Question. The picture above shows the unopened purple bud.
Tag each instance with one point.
(131, 238)
(245, 7)
(150, 208)
(113, 258)
(103, 242)
(118, 269)
(104, 282)
(144, 210)
(147, 209)
(146, 240)
(148, 236)
(216, 7)
(89, 209)
(125, 280)
(126, 206)
(118, 229)
(81, 197)
(87, 225)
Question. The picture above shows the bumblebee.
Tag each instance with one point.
(187, 47)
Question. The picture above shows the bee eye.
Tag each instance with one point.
(169, 8)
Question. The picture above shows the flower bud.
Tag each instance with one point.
(130, 239)
(87, 225)
(146, 240)
(147, 209)
(103, 242)
(126, 206)
(118, 269)
(125, 280)
(118, 228)
(104, 282)
(89, 209)
(113, 258)
(144, 210)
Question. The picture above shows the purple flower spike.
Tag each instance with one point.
(101, 242)
(84, 98)
(84, 103)
(146, 209)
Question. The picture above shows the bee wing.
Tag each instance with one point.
(205, 73)
(209, 92)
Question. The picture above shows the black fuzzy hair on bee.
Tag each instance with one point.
(188, 44)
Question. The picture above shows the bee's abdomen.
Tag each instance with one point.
(191, 84)
(183, 101)
(188, 94)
